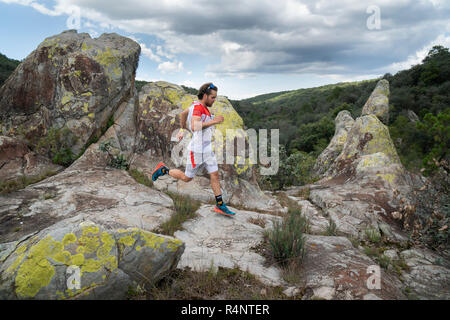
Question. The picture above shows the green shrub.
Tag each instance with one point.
(294, 169)
(22, 182)
(331, 228)
(286, 239)
(184, 207)
(64, 157)
(345, 106)
(373, 235)
(7, 66)
(117, 161)
(140, 177)
(56, 145)
(384, 261)
(438, 129)
(312, 134)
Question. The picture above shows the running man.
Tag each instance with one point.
(200, 122)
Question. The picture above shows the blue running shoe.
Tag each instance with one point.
(160, 170)
(223, 209)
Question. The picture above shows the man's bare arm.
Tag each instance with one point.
(197, 124)
(183, 117)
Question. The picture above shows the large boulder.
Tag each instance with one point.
(108, 262)
(69, 81)
(366, 184)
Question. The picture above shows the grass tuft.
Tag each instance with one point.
(184, 207)
(22, 182)
(140, 177)
(222, 283)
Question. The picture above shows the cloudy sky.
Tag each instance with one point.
(245, 48)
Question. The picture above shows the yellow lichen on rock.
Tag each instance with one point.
(187, 100)
(381, 141)
(174, 244)
(107, 57)
(35, 272)
(85, 107)
(85, 47)
(389, 177)
(35, 268)
(147, 239)
(342, 138)
(127, 240)
(67, 98)
(110, 59)
(241, 168)
(173, 95)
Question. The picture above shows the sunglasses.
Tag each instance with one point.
(211, 87)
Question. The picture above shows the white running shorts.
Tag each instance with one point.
(195, 161)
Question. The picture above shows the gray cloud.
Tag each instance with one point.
(252, 37)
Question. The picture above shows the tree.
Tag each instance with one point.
(436, 66)
(438, 128)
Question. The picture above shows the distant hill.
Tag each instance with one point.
(419, 113)
(7, 66)
(289, 110)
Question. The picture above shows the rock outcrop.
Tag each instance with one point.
(378, 102)
(366, 183)
(70, 81)
(334, 269)
(343, 124)
(362, 189)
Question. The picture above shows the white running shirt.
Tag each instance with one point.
(201, 139)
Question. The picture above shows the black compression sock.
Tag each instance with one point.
(219, 200)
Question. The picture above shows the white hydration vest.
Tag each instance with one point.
(201, 139)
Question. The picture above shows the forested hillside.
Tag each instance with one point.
(419, 117)
(7, 66)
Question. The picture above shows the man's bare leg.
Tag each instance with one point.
(220, 205)
(215, 184)
(178, 174)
